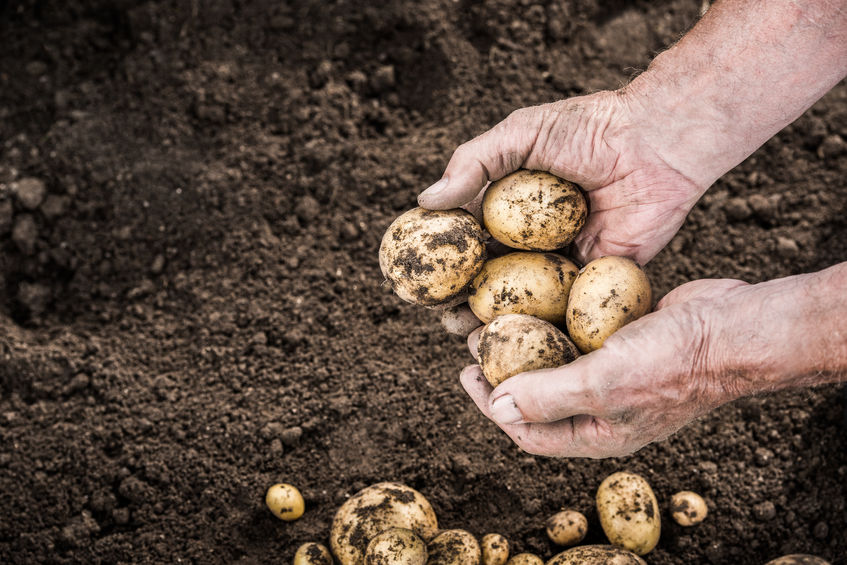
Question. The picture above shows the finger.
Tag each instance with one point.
(459, 320)
(704, 288)
(473, 342)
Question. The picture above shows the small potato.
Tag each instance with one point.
(396, 546)
(567, 527)
(629, 512)
(454, 547)
(312, 554)
(495, 549)
(596, 555)
(534, 210)
(525, 559)
(430, 256)
(798, 559)
(688, 508)
(515, 343)
(608, 293)
(523, 283)
(373, 510)
(285, 501)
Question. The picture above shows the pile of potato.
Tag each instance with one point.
(539, 308)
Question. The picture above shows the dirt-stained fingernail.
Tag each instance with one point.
(505, 411)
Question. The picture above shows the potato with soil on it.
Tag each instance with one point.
(525, 559)
(285, 501)
(396, 546)
(629, 512)
(524, 282)
(373, 510)
(688, 508)
(430, 256)
(534, 210)
(798, 559)
(596, 555)
(567, 527)
(454, 547)
(516, 343)
(608, 293)
(495, 549)
(312, 553)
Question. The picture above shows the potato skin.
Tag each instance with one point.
(396, 546)
(534, 210)
(285, 501)
(524, 282)
(495, 549)
(596, 555)
(608, 293)
(430, 256)
(688, 508)
(798, 559)
(567, 527)
(515, 343)
(373, 510)
(629, 512)
(525, 559)
(454, 547)
(312, 553)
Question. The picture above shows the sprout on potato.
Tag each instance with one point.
(495, 549)
(629, 512)
(285, 501)
(312, 553)
(454, 547)
(567, 527)
(396, 546)
(688, 508)
(596, 555)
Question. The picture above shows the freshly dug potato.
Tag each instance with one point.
(525, 559)
(798, 559)
(373, 510)
(495, 549)
(312, 554)
(629, 512)
(523, 283)
(454, 547)
(285, 501)
(688, 508)
(608, 293)
(430, 256)
(515, 343)
(567, 527)
(396, 546)
(596, 555)
(534, 210)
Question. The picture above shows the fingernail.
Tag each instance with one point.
(435, 188)
(505, 411)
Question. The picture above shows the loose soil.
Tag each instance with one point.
(193, 309)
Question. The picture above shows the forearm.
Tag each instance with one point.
(745, 71)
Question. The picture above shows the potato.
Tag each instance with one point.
(454, 547)
(688, 508)
(400, 546)
(373, 510)
(495, 549)
(312, 554)
(596, 555)
(798, 559)
(430, 256)
(285, 502)
(567, 527)
(523, 283)
(515, 343)
(608, 293)
(534, 210)
(525, 559)
(629, 512)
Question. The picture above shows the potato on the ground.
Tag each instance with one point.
(567, 527)
(596, 555)
(688, 508)
(608, 293)
(495, 549)
(525, 559)
(798, 559)
(396, 546)
(534, 210)
(312, 553)
(373, 510)
(629, 512)
(523, 282)
(515, 343)
(285, 501)
(430, 256)
(454, 547)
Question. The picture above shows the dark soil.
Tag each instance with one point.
(193, 310)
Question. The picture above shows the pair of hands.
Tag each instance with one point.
(651, 377)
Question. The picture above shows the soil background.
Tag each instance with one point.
(192, 194)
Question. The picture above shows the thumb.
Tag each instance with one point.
(488, 157)
(702, 288)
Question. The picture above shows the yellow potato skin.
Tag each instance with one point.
(567, 527)
(430, 256)
(688, 508)
(525, 559)
(524, 282)
(454, 547)
(373, 510)
(396, 546)
(285, 501)
(798, 559)
(312, 554)
(534, 210)
(596, 555)
(608, 293)
(495, 549)
(629, 512)
(515, 343)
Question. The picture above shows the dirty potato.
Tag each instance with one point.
(525, 559)
(688, 508)
(608, 293)
(629, 512)
(396, 546)
(373, 510)
(523, 283)
(285, 501)
(430, 256)
(495, 549)
(596, 555)
(515, 343)
(534, 210)
(454, 547)
(567, 527)
(312, 553)
(798, 559)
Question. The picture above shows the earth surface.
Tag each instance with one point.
(192, 195)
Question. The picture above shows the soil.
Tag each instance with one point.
(191, 308)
